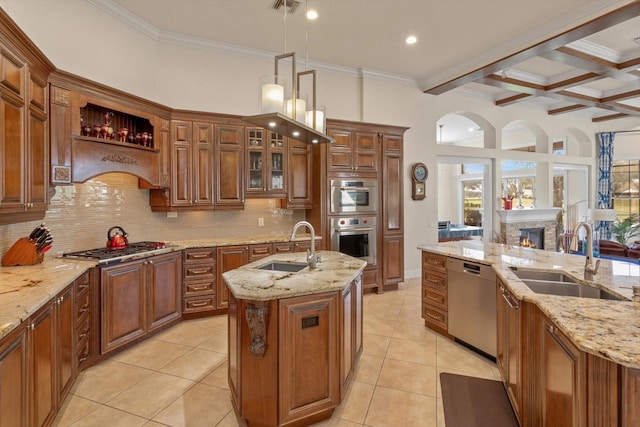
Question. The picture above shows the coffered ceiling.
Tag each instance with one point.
(577, 57)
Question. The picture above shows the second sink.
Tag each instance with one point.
(569, 290)
(292, 267)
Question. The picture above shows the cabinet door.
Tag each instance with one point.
(229, 258)
(509, 345)
(393, 257)
(42, 345)
(203, 164)
(163, 285)
(37, 149)
(562, 379)
(123, 304)
(312, 323)
(260, 251)
(358, 317)
(339, 157)
(366, 149)
(181, 163)
(346, 352)
(299, 177)
(66, 342)
(229, 167)
(13, 379)
(392, 190)
(12, 159)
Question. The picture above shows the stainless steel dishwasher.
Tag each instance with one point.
(472, 304)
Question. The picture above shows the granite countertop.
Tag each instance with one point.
(610, 329)
(333, 272)
(228, 241)
(24, 289)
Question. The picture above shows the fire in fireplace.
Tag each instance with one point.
(532, 237)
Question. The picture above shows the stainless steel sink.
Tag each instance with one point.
(570, 290)
(558, 283)
(292, 267)
(552, 276)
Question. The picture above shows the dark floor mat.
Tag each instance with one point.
(475, 402)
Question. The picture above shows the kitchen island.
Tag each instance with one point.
(564, 360)
(294, 337)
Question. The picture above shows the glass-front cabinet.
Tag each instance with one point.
(265, 163)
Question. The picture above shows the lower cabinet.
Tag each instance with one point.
(509, 344)
(351, 319)
(228, 258)
(14, 379)
(435, 292)
(199, 281)
(138, 297)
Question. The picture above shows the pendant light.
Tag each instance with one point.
(291, 118)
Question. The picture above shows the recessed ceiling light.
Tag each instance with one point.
(312, 14)
(272, 124)
(296, 133)
(411, 40)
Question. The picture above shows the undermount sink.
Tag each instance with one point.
(558, 283)
(291, 267)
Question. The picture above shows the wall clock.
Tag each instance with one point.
(419, 174)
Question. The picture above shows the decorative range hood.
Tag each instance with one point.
(287, 126)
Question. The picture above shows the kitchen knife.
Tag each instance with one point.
(36, 232)
(47, 242)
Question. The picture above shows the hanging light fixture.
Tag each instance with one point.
(294, 117)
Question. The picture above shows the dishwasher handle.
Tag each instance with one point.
(471, 268)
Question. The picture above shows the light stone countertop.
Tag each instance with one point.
(25, 289)
(610, 329)
(333, 272)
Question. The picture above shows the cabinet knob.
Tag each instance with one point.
(195, 202)
(150, 262)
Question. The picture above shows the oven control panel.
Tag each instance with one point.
(353, 222)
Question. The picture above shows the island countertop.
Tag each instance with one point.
(334, 271)
(610, 329)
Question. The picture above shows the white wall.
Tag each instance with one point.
(81, 39)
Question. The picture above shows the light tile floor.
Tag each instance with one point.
(179, 377)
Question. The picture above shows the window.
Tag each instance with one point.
(472, 202)
(625, 175)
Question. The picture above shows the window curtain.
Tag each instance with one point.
(605, 183)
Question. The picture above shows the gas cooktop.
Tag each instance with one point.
(112, 256)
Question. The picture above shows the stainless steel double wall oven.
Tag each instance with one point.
(353, 209)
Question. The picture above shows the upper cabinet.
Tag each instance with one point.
(299, 175)
(24, 132)
(229, 162)
(353, 152)
(265, 163)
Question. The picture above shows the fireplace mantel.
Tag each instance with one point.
(528, 214)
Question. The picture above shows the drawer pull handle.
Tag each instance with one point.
(84, 334)
(82, 359)
(260, 251)
(433, 316)
(435, 262)
(83, 286)
(199, 270)
(84, 309)
(435, 298)
(434, 281)
(199, 304)
(198, 287)
(199, 255)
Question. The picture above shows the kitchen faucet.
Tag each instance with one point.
(312, 257)
(589, 268)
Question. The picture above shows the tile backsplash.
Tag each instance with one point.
(80, 215)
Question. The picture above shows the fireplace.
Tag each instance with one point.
(532, 237)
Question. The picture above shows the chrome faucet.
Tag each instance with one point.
(589, 268)
(312, 257)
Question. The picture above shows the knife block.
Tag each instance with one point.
(23, 252)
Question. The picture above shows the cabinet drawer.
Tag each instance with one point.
(257, 252)
(82, 285)
(83, 352)
(435, 298)
(199, 255)
(435, 262)
(434, 316)
(82, 305)
(434, 280)
(199, 271)
(283, 247)
(198, 287)
(196, 304)
(82, 328)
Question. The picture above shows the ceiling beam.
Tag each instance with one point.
(615, 17)
(512, 99)
(584, 61)
(567, 109)
(608, 117)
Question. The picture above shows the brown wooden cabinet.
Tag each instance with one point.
(228, 258)
(138, 297)
(14, 379)
(83, 307)
(562, 378)
(229, 169)
(435, 291)
(353, 151)
(199, 280)
(24, 106)
(192, 164)
(299, 176)
(509, 345)
(266, 165)
(392, 190)
(351, 344)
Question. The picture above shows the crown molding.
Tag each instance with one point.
(594, 49)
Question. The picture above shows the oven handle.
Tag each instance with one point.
(354, 230)
(367, 189)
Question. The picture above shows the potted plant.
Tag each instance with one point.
(623, 231)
